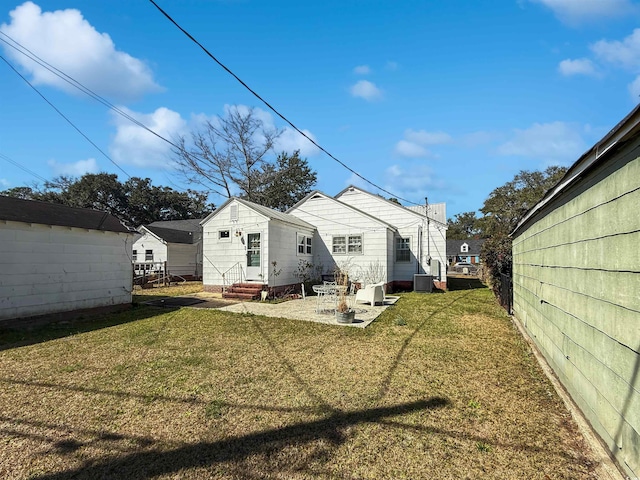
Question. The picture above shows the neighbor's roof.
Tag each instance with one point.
(189, 225)
(453, 246)
(45, 213)
(172, 235)
(626, 129)
(264, 211)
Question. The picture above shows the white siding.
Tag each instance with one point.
(150, 242)
(283, 249)
(408, 224)
(182, 258)
(221, 255)
(48, 269)
(331, 218)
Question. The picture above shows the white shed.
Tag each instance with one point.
(177, 242)
(55, 258)
(246, 242)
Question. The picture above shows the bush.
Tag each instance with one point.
(497, 260)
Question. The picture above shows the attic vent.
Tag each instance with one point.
(234, 213)
(316, 196)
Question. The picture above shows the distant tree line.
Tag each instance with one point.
(135, 202)
(502, 211)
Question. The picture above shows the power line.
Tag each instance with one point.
(75, 83)
(22, 167)
(63, 116)
(272, 108)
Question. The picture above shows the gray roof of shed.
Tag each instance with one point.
(189, 225)
(45, 213)
(453, 246)
(172, 235)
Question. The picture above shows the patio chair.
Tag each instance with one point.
(373, 293)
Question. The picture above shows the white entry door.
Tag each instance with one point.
(254, 258)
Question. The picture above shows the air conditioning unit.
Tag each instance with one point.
(423, 283)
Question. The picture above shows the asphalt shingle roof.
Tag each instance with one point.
(44, 213)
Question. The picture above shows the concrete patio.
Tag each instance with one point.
(293, 309)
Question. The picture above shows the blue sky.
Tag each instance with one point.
(425, 98)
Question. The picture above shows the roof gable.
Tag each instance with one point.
(318, 194)
(266, 212)
(171, 235)
(44, 213)
(391, 204)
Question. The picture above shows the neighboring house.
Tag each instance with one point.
(467, 251)
(176, 242)
(242, 240)
(55, 258)
(375, 237)
(576, 286)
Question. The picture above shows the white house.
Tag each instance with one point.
(176, 242)
(242, 240)
(419, 232)
(377, 239)
(55, 258)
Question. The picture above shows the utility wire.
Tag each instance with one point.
(272, 108)
(22, 167)
(75, 83)
(63, 116)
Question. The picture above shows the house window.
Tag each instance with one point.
(339, 245)
(464, 248)
(224, 235)
(134, 255)
(304, 245)
(148, 255)
(355, 244)
(403, 252)
(343, 244)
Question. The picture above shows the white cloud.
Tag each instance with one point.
(67, 41)
(290, 140)
(411, 180)
(362, 70)
(4, 182)
(76, 169)
(133, 145)
(391, 66)
(407, 149)
(556, 142)
(634, 89)
(580, 66)
(427, 138)
(625, 53)
(367, 90)
(415, 142)
(575, 12)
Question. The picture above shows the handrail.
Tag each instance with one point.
(234, 275)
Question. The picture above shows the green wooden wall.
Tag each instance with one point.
(576, 269)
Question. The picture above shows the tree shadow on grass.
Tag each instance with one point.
(63, 325)
(153, 463)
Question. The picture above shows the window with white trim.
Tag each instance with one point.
(148, 255)
(464, 248)
(224, 235)
(134, 255)
(304, 245)
(403, 250)
(347, 244)
(355, 244)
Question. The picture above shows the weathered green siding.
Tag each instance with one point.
(576, 268)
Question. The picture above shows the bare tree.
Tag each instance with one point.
(227, 153)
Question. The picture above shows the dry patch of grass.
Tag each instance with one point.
(449, 392)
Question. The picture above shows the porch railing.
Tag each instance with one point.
(234, 275)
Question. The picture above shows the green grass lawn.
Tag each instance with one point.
(440, 386)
